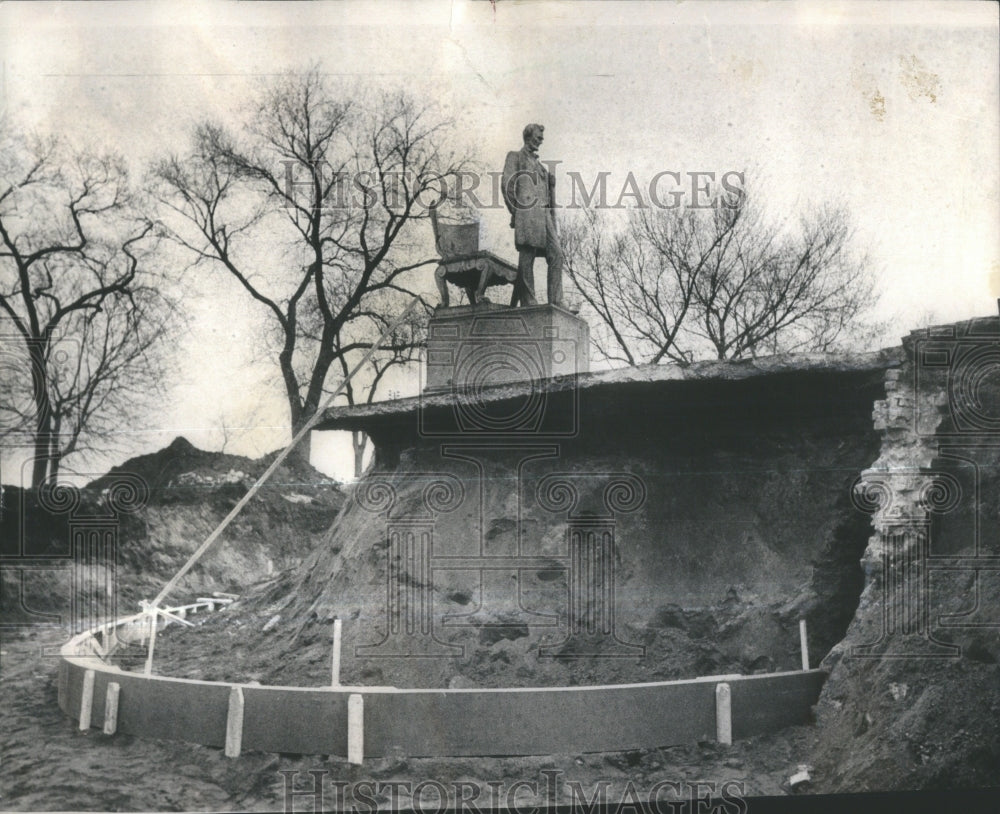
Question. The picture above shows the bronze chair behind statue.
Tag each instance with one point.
(463, 264)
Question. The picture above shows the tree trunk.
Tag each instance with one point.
(297, 411)
(303, 450)
(359, 441)
(43, 415)
(54, 456)
(40, 465)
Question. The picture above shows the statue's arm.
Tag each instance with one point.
(552, 199)
(510, 169)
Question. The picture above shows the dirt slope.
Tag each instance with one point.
(744, 526)
(188, 491)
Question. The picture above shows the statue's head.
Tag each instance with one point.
(533, 135)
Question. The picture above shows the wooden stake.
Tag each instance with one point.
(111, 708)
(355, 729)
(335, 670)
(804, 644)
(723, 714)
(234, 723)
(86, 700)
(152, 643)
(112, 643)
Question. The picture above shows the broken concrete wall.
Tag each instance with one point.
(914, 693)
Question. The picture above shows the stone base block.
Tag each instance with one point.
(471, 347)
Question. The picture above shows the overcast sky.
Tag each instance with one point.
(888, 108)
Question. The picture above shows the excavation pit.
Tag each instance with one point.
(667, 537)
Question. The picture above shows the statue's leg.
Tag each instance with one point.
(524, 285)
(442, 285)
(484, 278)
(554, 262)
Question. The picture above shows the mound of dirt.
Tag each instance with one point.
(694, 541)
(187, 492)
(181, 472)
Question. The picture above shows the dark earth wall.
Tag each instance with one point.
(745, 526)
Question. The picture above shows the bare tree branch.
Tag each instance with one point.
(678, 284)
(77, 286)
(312, 205)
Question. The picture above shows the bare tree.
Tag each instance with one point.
(113, 371)
(783, 290)
(685, 283)
(641, 282)
(400, 349)
(311, 206)
(81, 303)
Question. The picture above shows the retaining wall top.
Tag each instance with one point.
(667, 380)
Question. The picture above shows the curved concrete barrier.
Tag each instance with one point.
(430, 722)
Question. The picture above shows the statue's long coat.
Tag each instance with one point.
(528, 191)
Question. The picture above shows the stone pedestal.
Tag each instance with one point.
(471, 347)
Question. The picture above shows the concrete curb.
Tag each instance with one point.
(427, 722)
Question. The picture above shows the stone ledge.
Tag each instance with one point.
(672, 378)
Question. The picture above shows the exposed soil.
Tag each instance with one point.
(910, 713)
(48, 764)
(188, 492)
(913, 723)
(747, 527)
